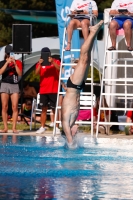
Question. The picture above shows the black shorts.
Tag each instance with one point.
(48, 100)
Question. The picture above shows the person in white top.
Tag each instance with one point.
(82, 21)
(122, 10)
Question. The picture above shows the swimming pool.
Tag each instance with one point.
(33, 168)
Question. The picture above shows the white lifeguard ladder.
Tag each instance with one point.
(114, 87)
(92, 97)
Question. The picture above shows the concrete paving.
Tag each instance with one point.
(50, 134)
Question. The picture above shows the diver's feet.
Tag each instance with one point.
(72, 145)
(95, 29)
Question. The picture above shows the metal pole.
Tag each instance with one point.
(22, 81)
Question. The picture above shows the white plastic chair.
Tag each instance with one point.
(36, 110)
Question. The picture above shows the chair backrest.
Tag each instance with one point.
(86, 100)
(38, 100)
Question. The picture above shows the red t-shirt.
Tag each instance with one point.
(130, 114)
(49, 78)
(102, 117)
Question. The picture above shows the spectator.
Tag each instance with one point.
(49, 77)
(129, 119)
(10, 69)
(122, 19)
(29, 92)
(80, 21)
(104, 115)
(26, 111)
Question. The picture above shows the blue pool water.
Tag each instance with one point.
(33, 168)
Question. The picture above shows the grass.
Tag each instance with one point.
(25, 127)
(21, 126)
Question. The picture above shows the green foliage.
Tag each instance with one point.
(32, 77)
(103, 4)
(38, 29)
(96, 77)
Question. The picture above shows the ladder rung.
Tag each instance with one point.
(118, 51)
(116, 123)
(117, 65)
(124, 97)
(87, 93)
(67, 64)
(73, 50)
(118, 79)
(62, 78)
(115, 84)
(86, 107)
(118, 94)
(62, 93)
(121, 109)
(83, 122)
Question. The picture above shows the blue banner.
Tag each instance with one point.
(62, 10)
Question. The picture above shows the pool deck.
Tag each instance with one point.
(49, 133)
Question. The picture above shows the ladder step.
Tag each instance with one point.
(115, 84)
(88, 79)
(83, 122)
(118, 51)
(118, 79)
(116, 123)
(118, 94)
(82, 107)
(73, 50)
(116, 109)
(71, 64)
(116, 65)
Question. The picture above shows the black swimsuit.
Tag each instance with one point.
(71, 85)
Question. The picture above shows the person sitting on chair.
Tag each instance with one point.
(123, 18)
(81, 21)
(25, 111)
(71, 102)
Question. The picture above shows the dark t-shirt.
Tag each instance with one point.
(10, 75)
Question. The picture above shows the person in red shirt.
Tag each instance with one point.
(10, 69)
(49, 77)
(129, 119)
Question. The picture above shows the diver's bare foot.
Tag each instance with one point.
(95, 29)
(15, 131)
(4, 131)
(68, 47)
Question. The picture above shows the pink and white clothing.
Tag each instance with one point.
(122, 4)
(83, 5)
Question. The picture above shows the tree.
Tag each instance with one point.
(38, 29)
(103, 4)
